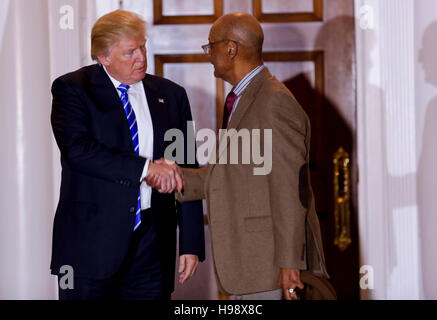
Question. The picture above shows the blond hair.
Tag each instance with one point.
(112, 27)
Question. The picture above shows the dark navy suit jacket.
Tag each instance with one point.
(101, 174)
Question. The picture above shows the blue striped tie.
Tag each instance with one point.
(131, 119)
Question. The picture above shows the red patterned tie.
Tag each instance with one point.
(230, 100)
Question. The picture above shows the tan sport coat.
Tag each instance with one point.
(261, 223)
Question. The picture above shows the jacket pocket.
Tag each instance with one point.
(258, 224)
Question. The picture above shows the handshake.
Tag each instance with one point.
(165, 176)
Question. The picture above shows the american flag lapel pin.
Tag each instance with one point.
(160, 100)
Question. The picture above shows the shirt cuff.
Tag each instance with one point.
(145, 170)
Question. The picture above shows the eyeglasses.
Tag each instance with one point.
(207, 47)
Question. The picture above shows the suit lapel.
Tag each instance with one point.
(106, 98)
(158, 110)
(103, 91)
(247, 99)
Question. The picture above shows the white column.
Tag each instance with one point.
(372, 228)
(70, 27)
(38, 43)
(4, 8)
(26, 164)
(388, 213)
(426, 128)
(70, 23)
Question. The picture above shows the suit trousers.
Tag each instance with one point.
(138, 278)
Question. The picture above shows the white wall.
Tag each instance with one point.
(34, 49)
(26, 163)
(426, 138)
(397, 113)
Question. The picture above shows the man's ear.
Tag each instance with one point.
(232, 49)
(104, 60)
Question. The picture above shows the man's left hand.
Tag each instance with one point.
(187, 266)
(290, 279)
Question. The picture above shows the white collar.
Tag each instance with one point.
(134, 87)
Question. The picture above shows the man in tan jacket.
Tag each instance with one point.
(264, 228)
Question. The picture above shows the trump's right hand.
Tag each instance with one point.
(165, 176)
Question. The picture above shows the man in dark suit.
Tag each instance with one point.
(109, 120)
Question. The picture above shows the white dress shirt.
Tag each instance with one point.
(138, 101)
